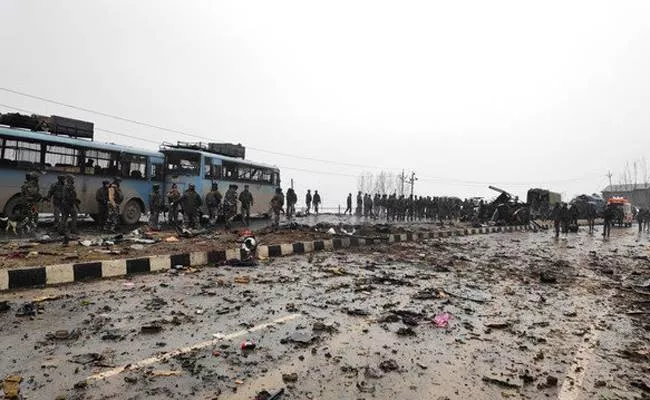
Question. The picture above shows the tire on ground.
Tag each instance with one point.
(131, 212)
(12, 208)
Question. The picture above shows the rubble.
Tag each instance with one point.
(348, 320)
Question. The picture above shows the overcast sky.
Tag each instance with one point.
(465, 93)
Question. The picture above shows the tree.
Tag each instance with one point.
(382, 183)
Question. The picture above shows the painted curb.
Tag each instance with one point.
(20, 278)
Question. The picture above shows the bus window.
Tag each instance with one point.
(276, 179)
(244, 173)
(21, 152)
(209, 168)
(134, 166)
(98, 162)
(230, 171)
(157, 172)
(266, 175)
(62, 158)
(256, 174)
(213, 172)
(183, 164)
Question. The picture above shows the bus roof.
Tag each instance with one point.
(219, 156)
(46, 137)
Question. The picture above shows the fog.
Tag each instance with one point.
(517, 94)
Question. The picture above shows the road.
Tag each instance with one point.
(530, 317)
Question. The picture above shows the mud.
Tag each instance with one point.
(353, 325)
(30, 251)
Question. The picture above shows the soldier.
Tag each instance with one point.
(591, 216)
(359, 204)
(565, 217)
(115, 198)
(191, 203)
(213, 202)
(230, 205)
(246, 200)
(375, 203)
(101, 197)
(55, 194)
(292, 199)
(349, 204)
(69, 206)
(640, 215)
(608, 218)
(369, 206)
(308, 200)
(316, 201)
(155, 207)
(174, 198)
(557, 218)
(31, 195)
(276, 205)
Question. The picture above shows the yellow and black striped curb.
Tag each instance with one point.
(28, 277)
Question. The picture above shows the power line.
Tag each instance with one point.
(450, 181)
(150, 125)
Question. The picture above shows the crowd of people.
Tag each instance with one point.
(190, 204)
(412, 208)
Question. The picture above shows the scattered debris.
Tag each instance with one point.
(505, 383)
(151, 328)
(164, 373)
(27, 310)
(11, 386)
(442, 320)
(87, 358)
(408, 331)
(388, 365)
(547, 277)
(292, 377)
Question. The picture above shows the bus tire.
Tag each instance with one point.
(12, 208)
(131, 212)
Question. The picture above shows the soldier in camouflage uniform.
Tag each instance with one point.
(101, 197)
(115, 198)
(55, 195)
(277, 202)
(30, 196)
(155, 207)
(174, 198)
(246, 200)
(213, 202)
(69, 206)
(191, 203)
(230, 205)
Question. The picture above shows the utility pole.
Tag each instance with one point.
(402, 179)
(412, 180)
(291, 183)
(609, 175)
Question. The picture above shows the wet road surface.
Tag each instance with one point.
(529, 317)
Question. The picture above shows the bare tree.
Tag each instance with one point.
(645, 174)
(625, 178)
(382, 183)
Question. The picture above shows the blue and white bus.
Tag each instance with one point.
(203, 164)
(24, 150)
